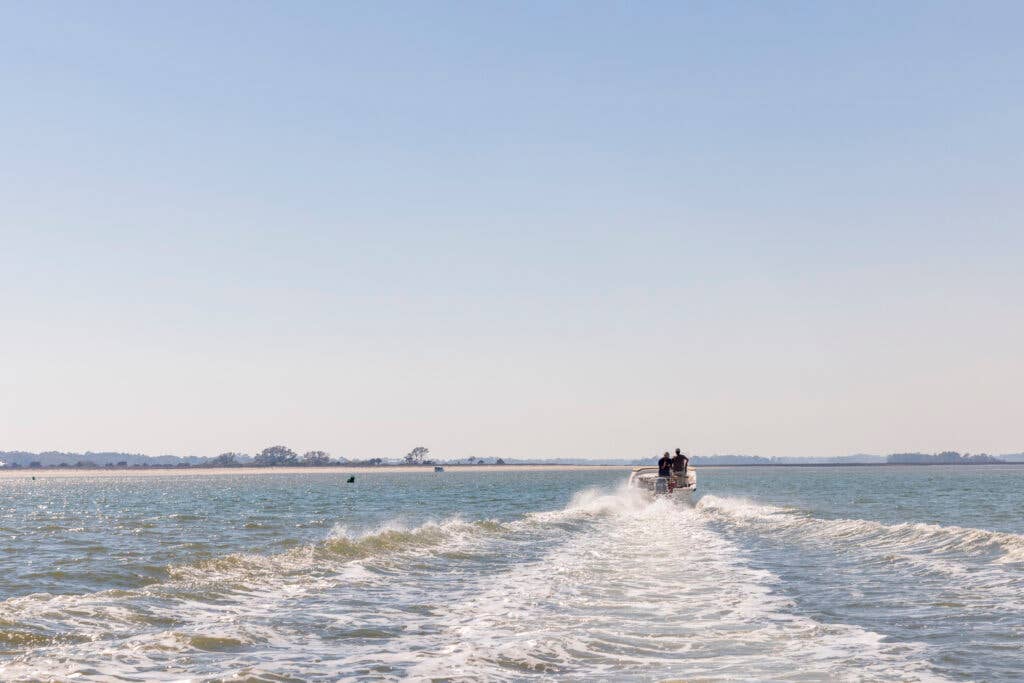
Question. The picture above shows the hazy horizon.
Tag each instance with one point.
(577, 230)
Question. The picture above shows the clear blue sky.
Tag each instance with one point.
(512, 229)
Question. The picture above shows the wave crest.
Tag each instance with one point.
(905, 536)
(394, 537)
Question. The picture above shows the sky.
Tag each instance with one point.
(531, 229)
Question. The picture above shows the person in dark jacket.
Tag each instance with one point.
(665, 466)
(680, 463)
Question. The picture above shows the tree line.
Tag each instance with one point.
(272, 456)
(282, 456)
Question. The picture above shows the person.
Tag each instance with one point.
(680, 463)
(665, 466)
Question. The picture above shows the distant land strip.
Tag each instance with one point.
(280, 456)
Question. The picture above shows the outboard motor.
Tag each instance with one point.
(661, 485)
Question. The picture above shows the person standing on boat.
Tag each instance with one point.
(665, 466)
(680, 463)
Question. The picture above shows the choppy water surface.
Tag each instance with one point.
(895, 573)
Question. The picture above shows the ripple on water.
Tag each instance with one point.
(607, 587)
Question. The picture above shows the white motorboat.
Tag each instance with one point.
(676, 487)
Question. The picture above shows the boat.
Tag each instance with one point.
(675, 488)
(438, 468)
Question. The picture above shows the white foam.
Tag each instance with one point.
(650, 592)
(593, 502)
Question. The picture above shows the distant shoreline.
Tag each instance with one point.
(27, 473)
(54, 472)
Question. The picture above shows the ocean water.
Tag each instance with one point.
(783, 573)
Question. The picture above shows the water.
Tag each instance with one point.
(896, 573)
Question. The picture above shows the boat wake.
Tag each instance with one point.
(611, 586)
(653, 592)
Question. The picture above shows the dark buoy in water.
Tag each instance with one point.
(352, 479)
